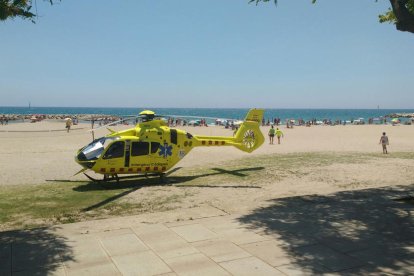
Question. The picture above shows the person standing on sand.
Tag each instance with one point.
(385, 142)
(279, 134)
(272, 134)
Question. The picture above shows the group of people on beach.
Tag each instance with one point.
(4, 120)
(102, 121)
(275, 132)
(328, 122)
(384, 141)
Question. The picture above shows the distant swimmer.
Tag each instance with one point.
(279, 134)
(272, 133)
(385, 142)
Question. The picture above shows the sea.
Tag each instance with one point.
(225, 113)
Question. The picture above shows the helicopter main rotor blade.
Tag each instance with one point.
(162, 116)
(198, 117)
(115, 122)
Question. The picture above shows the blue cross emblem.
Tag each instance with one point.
(165, 150)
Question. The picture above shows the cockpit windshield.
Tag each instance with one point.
(94, 150)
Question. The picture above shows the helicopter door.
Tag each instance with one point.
(114, 155)
(140, 154)
(127, 153)
(173, 136)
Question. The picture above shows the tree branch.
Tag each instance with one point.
(405, 19)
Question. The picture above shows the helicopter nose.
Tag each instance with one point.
(86, 164)
(81, 159)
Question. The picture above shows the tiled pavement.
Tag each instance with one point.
(361, 232)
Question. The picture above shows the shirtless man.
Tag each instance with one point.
(385, 142)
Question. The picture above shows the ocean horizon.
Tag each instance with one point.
(233, 113)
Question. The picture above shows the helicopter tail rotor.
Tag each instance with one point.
(249, 136)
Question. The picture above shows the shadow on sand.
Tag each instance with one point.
(33, 252)
(357, 232)
(179, 181)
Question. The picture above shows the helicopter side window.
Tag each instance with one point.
(154, 147)
(115, 150)
(139, 148)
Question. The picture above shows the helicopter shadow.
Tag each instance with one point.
(66, 181)
(178, 181)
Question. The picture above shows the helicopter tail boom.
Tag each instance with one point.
(247, 138)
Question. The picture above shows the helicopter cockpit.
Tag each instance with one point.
(94, 150)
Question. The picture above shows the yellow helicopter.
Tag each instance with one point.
(151, 148)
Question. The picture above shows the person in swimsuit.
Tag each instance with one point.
(384, 142)
(279, 134)
(272, 134)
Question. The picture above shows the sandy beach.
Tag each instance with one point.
(34, 153)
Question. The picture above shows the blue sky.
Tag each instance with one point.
(207, 53)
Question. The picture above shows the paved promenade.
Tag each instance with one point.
(361, 232)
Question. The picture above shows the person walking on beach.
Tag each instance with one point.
(385, 142)
(279, 134)
(68, 124)
(272, 132)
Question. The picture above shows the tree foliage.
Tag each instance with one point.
(18, 8)
(401, 13)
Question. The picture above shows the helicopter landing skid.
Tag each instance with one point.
(105, 179)
(108, 178)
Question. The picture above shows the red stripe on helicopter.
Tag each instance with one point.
(138, 169)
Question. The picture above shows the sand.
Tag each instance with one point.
(34, 153)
